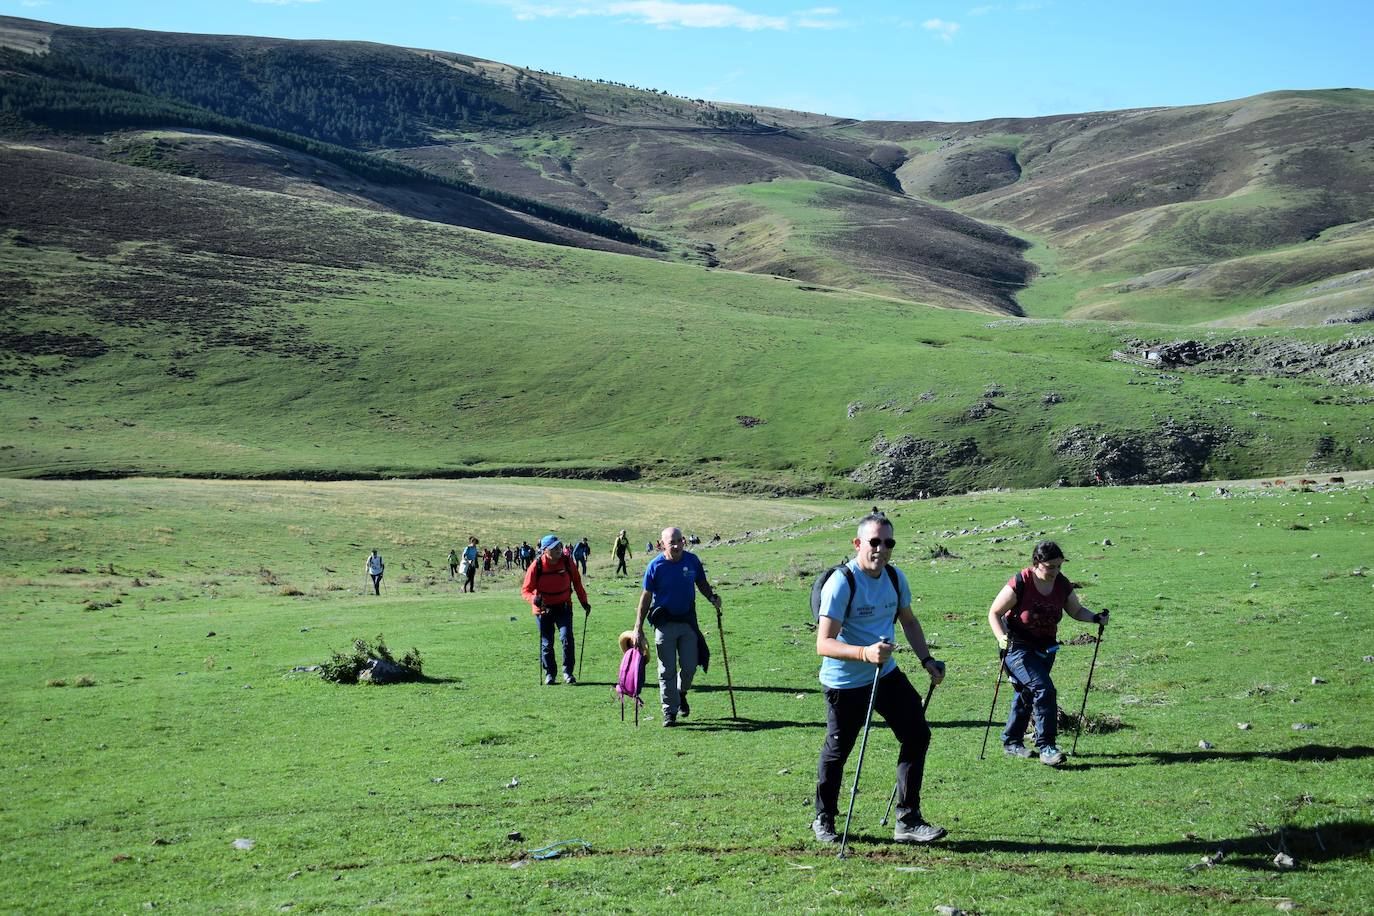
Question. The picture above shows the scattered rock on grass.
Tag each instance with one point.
(1205, 745)
(1318, 680)
(1243, 726)
(1284, 861)
(945, 910)
(243, 843)
(1301, 726)
(515, 836)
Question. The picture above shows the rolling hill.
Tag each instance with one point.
(934, 212)
(520, 273)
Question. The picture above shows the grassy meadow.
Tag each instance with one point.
(184, 606)
(444, 364)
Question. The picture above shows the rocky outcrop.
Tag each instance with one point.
(907, 467)
(1172, 453)
(1345, 362)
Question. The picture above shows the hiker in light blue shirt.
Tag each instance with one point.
(855, 639)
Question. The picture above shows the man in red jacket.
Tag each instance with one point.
(548, 587)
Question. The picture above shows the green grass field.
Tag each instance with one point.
(131, 792)
(478, 355)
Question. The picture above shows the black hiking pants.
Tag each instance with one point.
(845, 711)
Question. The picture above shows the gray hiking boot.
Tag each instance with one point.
(1051, 756)
(824, 828)
(683, 709)
(917, 831)
(1017, 750)
(548, 680)
(670, 721)
(569, 679)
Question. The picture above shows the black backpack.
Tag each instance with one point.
(819, 585)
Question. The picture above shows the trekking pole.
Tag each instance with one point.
(858, 771)
(893, 800)
(581, 653)
(1097, 645)
(720, 628)
(1001, 666)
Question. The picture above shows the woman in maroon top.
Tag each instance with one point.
(1025, 619)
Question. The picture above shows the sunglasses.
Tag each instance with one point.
(889, 543)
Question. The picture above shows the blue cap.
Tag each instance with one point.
(549, 540)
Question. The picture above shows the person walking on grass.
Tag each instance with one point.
(548, 587)
(581, 550)
(621, 549)
(861, 603)
(470, 566)
(668, 602)
(452, 564)
(1025, 621)
(376, 569)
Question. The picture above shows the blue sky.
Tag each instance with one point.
(904, 60)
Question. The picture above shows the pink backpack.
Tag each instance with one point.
(631, 680)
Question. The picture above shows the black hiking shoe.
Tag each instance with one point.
(548, 680)
(683, 709)
(824, 828)
(670, 721)
(1017, 750)
(569, 679)
(918, 831)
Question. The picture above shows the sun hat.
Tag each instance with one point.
(549, 540)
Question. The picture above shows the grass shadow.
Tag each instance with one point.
(1324, 843)
(743, 724)
(716, 688)
(1307, 752)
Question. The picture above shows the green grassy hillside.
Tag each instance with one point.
(271, 336)
(173, 601)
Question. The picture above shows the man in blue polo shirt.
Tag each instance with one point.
(855, 639)
(668, 601)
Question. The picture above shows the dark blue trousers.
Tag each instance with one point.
(562, 620)
(1036, 697)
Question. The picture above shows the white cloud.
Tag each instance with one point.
(34, 3)
(821, 17)
(667, 14)
(942, 29)
(671, 14)
(984, 10)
